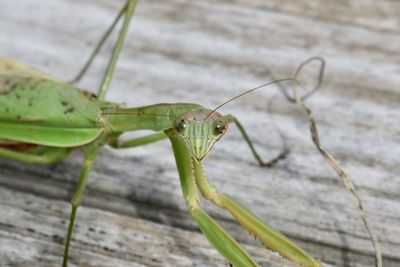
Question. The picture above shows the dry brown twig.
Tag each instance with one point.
(348, 183)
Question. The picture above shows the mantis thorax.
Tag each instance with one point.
(200, 129)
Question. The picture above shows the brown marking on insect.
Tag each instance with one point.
(64, 103)
(34, 83)
(9, 88)
(13, 87)
(69, 110)
(92, 121)
(20, 147)
(30, 100)
(89, 95)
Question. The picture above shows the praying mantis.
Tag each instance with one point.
(188, 153)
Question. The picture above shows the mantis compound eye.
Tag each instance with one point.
(219, 128)
(181, 125)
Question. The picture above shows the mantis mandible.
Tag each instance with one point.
(33, 134)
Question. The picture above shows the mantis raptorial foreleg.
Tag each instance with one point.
(262, 231)
(192, 177)
(217, 236)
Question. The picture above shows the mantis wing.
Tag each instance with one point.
(36, 108)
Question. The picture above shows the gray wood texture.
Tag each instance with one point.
(133, 213)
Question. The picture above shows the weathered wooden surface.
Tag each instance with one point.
(133, 213)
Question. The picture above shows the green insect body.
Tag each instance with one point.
(43, 118)
(56, 116)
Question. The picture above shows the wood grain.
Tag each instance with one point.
(133, 213)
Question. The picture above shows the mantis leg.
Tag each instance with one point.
(264, 233)
(130, 8)
(99, 44)
(216, 235)
(41, 154)
(90, 155)
(269, 163)
(139, 141)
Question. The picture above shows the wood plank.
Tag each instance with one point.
(209, 51)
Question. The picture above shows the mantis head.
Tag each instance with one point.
(200, 129)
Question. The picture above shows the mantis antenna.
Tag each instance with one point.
(294, 81)
(252, 90)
